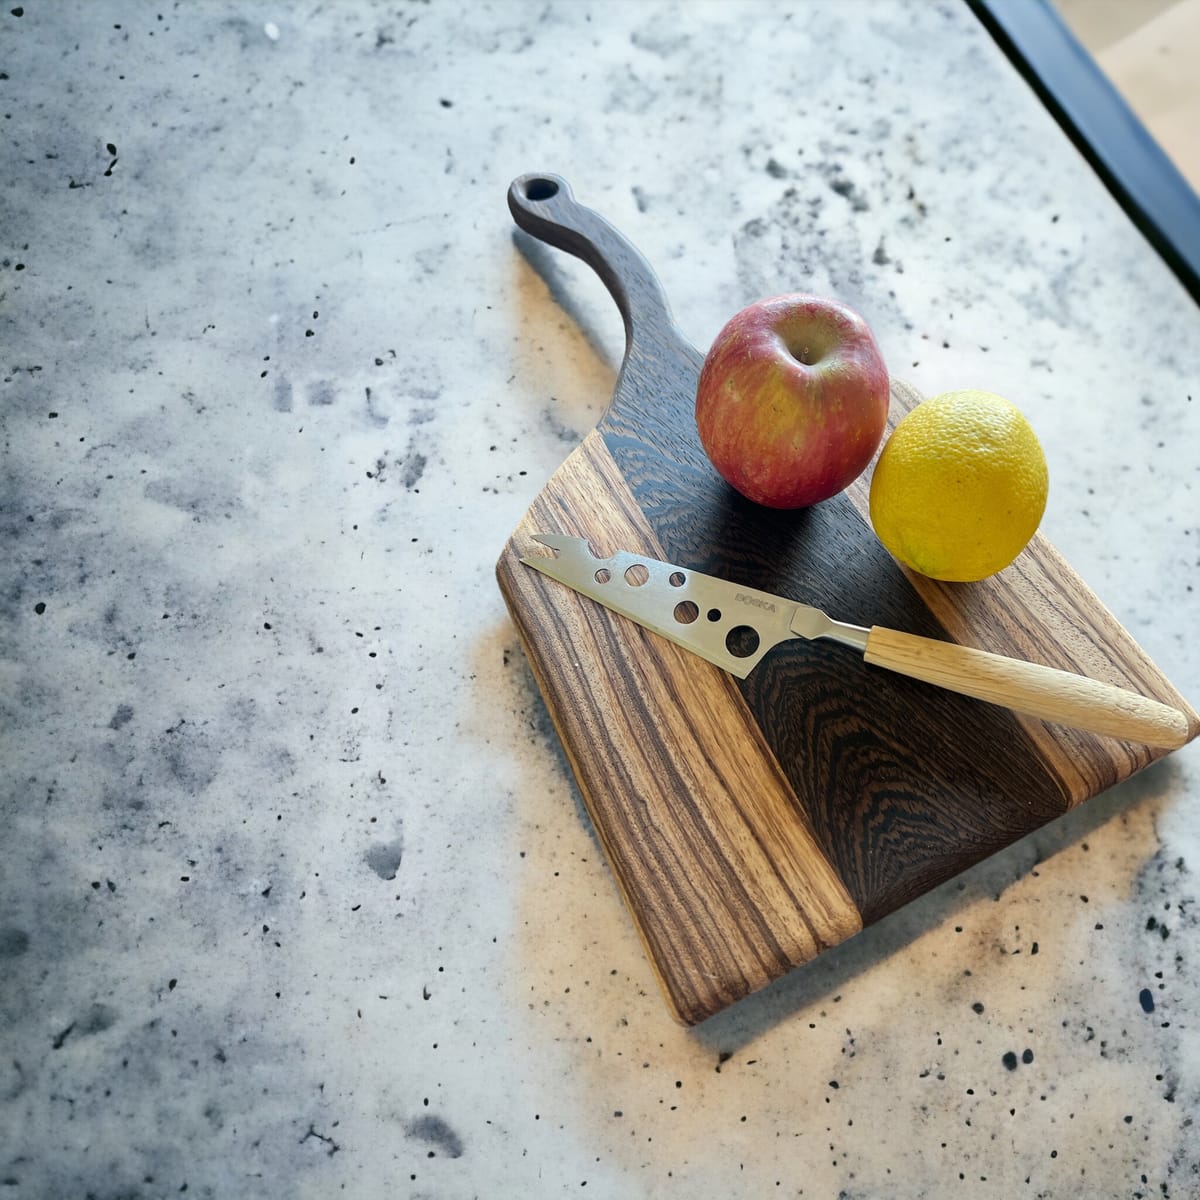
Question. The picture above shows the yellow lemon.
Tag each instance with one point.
(960, 486)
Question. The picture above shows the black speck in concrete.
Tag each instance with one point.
(1146, 999)
(121, 717)
(384, 858)
(437, 1134)
(97, 1019)
(846, 189)
(331, 1147)
(40, 607)
(1010, 1061)
(1027, 1057)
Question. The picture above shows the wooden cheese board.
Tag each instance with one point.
(753, 823)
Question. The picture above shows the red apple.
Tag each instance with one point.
(792, 400)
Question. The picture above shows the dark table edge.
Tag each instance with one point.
(1132, 165)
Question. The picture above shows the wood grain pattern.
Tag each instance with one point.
(720, 870)
(871, 788)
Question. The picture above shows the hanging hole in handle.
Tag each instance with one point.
(636, 575)
(540, 189)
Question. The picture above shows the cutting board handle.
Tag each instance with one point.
(544, 206)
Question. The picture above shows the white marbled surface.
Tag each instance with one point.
(296, 895)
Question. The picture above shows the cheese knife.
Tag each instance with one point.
(734, 627)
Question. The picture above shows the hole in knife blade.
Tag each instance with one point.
(741, 641)
(603, 575)
(636, 575)
(677, 579)
(713, 614)
(686, 612)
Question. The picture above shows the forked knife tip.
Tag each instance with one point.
(560, 542)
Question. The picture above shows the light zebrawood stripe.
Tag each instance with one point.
(1039, 609)
(707, 840)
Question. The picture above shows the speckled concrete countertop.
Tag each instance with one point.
(296, 894)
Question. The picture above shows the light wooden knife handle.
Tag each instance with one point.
(1029, 688)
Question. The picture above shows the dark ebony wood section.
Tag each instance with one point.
(1102, 126)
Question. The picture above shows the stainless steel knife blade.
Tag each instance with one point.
(726, 623)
